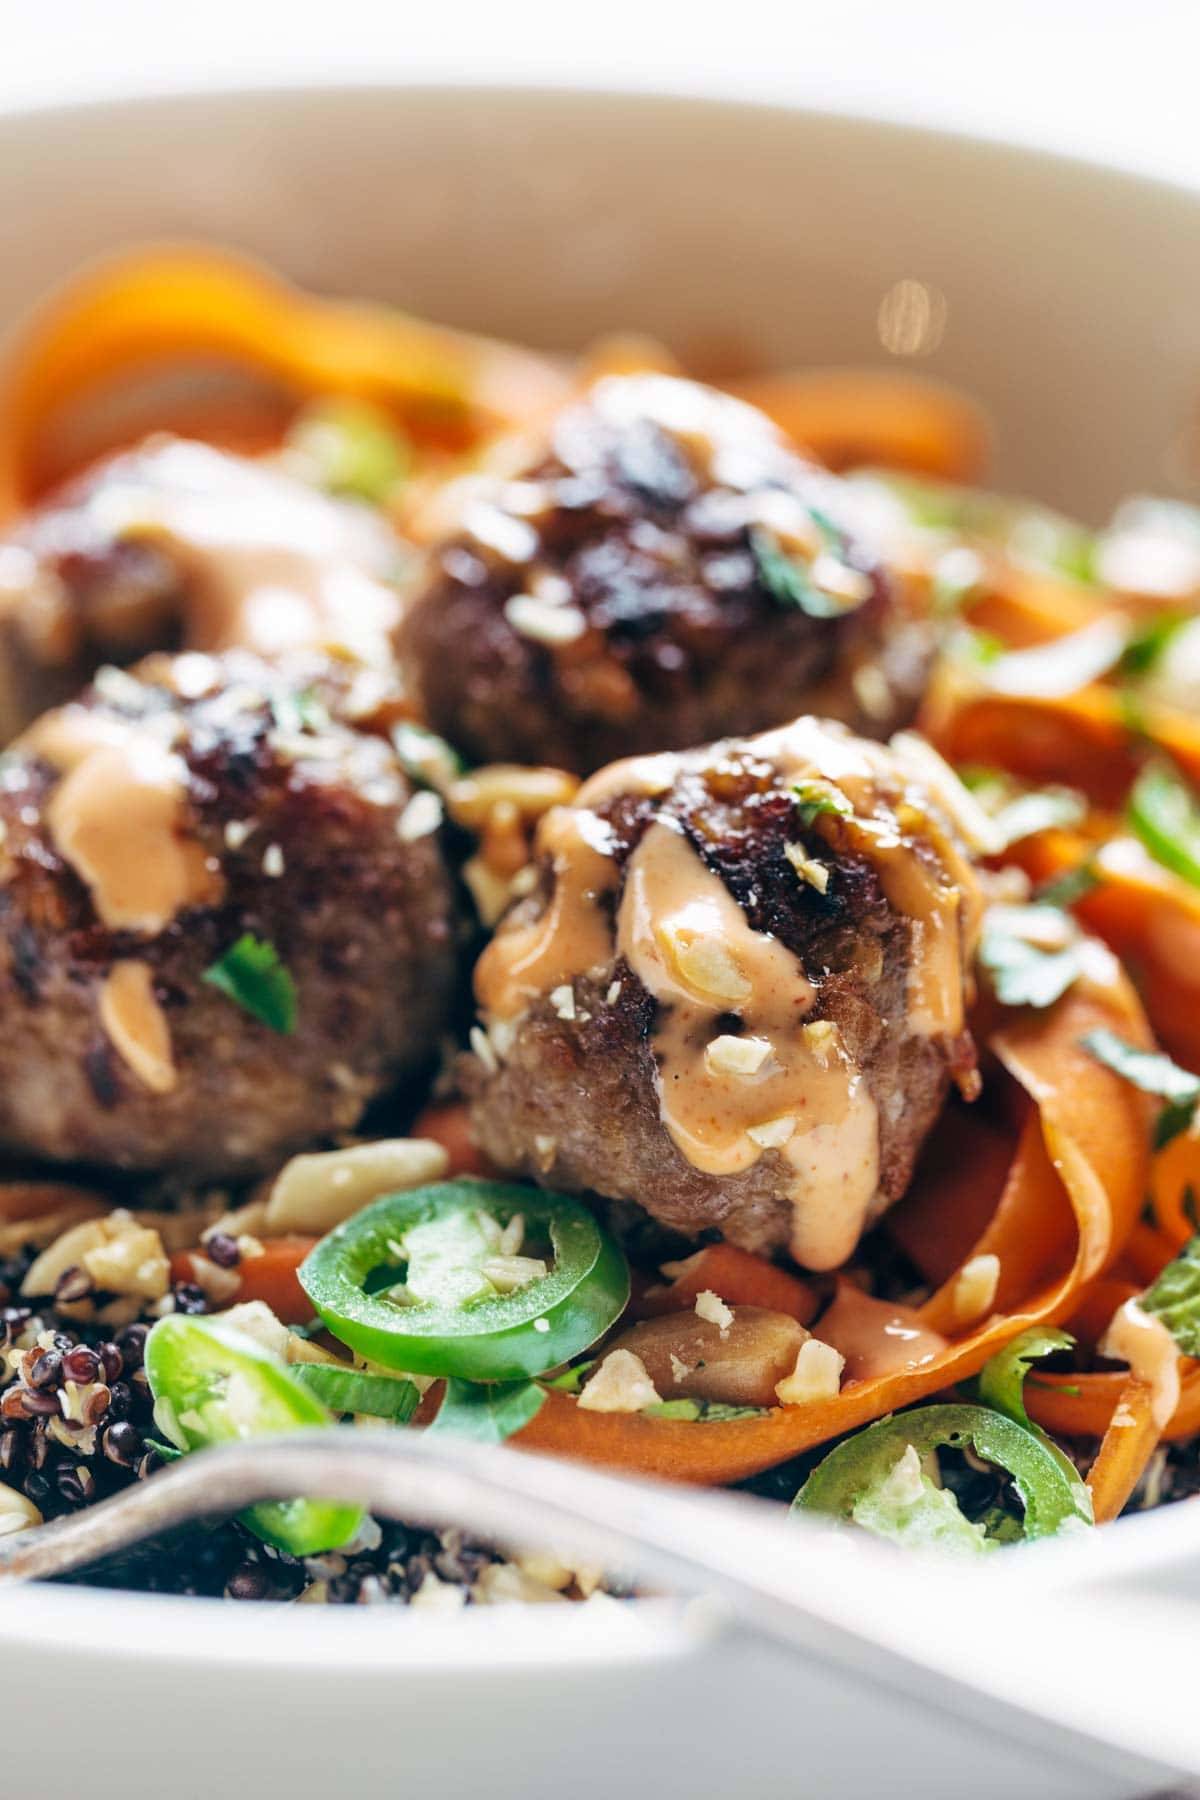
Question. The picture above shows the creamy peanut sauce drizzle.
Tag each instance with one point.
(1136, 1337)
(876, 1337)
(119, 817)
(573, 935)
(692, 947)
(269, 564)
(137, 1026)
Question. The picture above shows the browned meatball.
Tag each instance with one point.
(194, 819)
(736, 995)
(663, 571)
(176, 544)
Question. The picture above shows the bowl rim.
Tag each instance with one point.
(30, 113)
(511, 1637)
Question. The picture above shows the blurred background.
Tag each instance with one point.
(1106, 78)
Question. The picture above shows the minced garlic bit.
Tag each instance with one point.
(619, 1385)
(484, 1050)
(730, 1055)
(420, 817)
(816, 1376)
(815, 873)
(562, 999)
(679, 1369)
(272, 862)
(237, 831)
(613, 994)
(711, 1307)
(975, 1288)
(544, 621)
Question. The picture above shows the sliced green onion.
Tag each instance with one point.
(350, 447)
(355, 1391)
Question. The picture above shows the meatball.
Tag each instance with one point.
(664, 570)
(736, 995)
(177, 544)
(192, 853)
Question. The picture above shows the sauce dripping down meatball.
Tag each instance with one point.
(768, 941)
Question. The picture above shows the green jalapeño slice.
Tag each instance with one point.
(212, 1385)
(484, 1280)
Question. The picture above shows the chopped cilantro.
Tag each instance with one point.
(1149, 642)
(252, 976)
(1154, 1073)
(1164, 813)
(1174, 1298)
(813, 798)
(787, 581)
(299, 712)
(1024, 971)
(1066, 889)
(708, 1412)
(487, 1411)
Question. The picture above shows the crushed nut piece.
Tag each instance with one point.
(817, 1375)
(620, 1384)
(711, 1307)
(737, 1055)
(975, 1288)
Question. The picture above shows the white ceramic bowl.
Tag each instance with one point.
(551, 217)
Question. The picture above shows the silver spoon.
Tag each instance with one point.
(832, 1595)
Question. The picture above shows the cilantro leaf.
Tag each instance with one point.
(1154, 1073)
(1174, 1298)
(252, 976)
(1025, 972)
(487, 1411)
(787, 581)
(1002, 1377)
(1165, 814)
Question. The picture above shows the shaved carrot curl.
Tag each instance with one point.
(1071, 1199)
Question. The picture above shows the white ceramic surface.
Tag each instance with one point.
(1071, 296)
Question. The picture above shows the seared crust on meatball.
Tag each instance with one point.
(852, 903)
(159, 548)
(291, 829)
(662, 571)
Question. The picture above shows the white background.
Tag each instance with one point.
(1109, 78)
